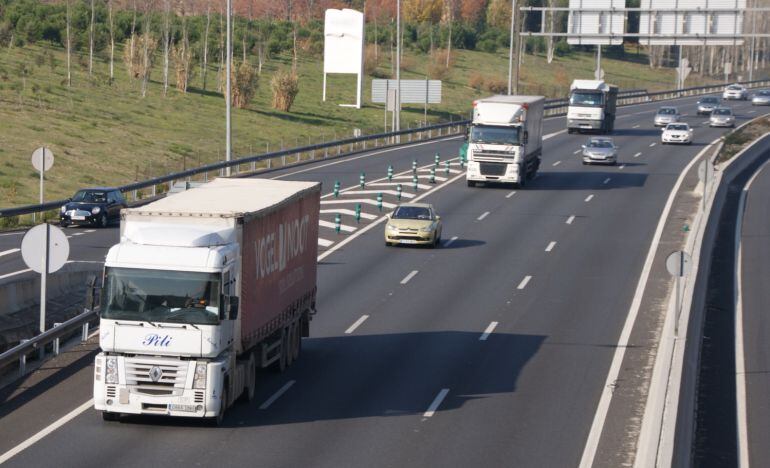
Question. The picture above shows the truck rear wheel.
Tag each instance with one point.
(282, 363)
(251, 378)
(297, 341)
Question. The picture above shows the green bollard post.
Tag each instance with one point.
(414, 182)
(432, 175)
(446, 167)
(437, 159)
(379, 201)
(358, 212)
(337, 222)
(362, 180)
(336, 188)
(414, 166)
(390, 173)
(398, 191)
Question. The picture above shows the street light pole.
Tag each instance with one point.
(398, 67)
(228, 91)
(510, 47)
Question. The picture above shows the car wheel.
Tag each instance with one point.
(471, 183)
(103, 221)
(388, 244)
(63, 223)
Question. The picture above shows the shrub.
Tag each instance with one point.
(371, 60)
(437, 67)
(562, 48)
(244, 82)
(496, 85)
(476, 81)
(9, 222)
(285, 86)
(487, 45)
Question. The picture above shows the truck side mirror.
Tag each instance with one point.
(525, 137)
(234, 303)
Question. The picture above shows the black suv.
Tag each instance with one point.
(93, 207)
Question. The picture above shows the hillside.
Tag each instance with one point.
(105, 133)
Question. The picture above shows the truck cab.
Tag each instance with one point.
(592, 106)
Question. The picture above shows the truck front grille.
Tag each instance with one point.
(156, 376)
(492, 169)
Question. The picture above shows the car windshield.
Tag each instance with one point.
(161, 296)
(585, 98)
(709, 100)
(722, 112)
(89, 196)
(764, 93)
(599, 144)
(677, 127)
(667, 111)
(735, 88)
(495, 135)
(412, 212)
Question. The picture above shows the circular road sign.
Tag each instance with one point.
(42, 159)
(678, 263)
(33, 248)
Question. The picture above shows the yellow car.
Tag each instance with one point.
(413, 223)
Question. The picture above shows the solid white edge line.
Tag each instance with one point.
(277, 395)
(483, 215)
(550, 246)
(8, 252)
(448, 242)
(356, 324)
(436, 403)
(488, 331)
(408, 277)
(570, 219)
(524, 282)
(44, 432)
(597, 426)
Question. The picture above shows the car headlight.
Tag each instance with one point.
(64, 208)
(95, 210)
(427, 228)
(392, 227)
(199, 380)
(111, 370)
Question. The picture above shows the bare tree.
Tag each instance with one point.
(451, 5)
(91, 40)
(148, 48)
(204, 67)
(166, 40)
(69, 46)
(133, 29)
(550, 43)
(112, 40)
(221, 49)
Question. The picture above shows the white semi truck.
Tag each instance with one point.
(505, 139)
(592, 105)
(204, 287)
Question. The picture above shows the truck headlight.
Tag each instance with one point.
(199, 380)
(64, 208)
(111, 370)
(95, 210)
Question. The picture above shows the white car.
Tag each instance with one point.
(722, 117)
(676, 133)
(735, 91)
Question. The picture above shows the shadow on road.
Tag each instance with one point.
(588, 180)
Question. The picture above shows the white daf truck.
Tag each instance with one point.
(204, 287)
(592, 106)
(505, 139)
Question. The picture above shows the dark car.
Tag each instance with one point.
(93, 207)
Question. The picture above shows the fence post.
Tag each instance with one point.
(56, 341)
(23, 362)
(84, 337)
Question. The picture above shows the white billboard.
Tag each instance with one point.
(673, 18)
(584, 23)
(344, 45)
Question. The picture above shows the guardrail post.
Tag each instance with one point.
(153, 190)
(270, 163)
(84, 336)
(23, 362)
(253, 166)
(135, 194)
(56, 341)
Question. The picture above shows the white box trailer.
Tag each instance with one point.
(205, 286)
(505, 140)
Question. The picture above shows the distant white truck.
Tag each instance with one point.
(505, 140)
(206, 286)
(592, 106)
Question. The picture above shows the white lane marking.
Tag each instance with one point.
(488, 331)
(90, 230)
(9, 252)
(600, 416)
(652, 144)
(78, 233)
(13, 233)
(751, 112)
(355, 325)
(556, 163)
(436, 403)
(577, 151)
(349, 212)
(551, 135)
(331, 225)
(511, 194)
(550, 246)
(483, 215)
(636, 126)
(524, 282)
(8, 275)
(277, 395)
(637, 155)
(324, 242)
(357, 200)
(449, 242)
(589, 198)
(409, 276)
(606, 181)
(622, 166)
(44, 432)
(570, 219)
(367, 155)
(382, 219)
(384, 192)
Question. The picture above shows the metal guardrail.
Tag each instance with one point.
(553, 107)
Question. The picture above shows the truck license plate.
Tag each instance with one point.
(79, 218)
(188, 408)
(408, 241)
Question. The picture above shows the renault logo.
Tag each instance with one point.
(155, 373)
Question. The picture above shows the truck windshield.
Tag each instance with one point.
(161, 296)
(585, 99)
(495, 135)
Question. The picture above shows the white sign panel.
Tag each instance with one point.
(675, 19)
(585, 23)
(344, 45)
(412, 91)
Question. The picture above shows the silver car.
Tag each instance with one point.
(707, 104)
(761, 98)
(722, 117)
(600, 151)
(666, 115)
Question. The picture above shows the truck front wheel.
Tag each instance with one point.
(217, 420)
(108, 416)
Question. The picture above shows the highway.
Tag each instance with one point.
(492, 350)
